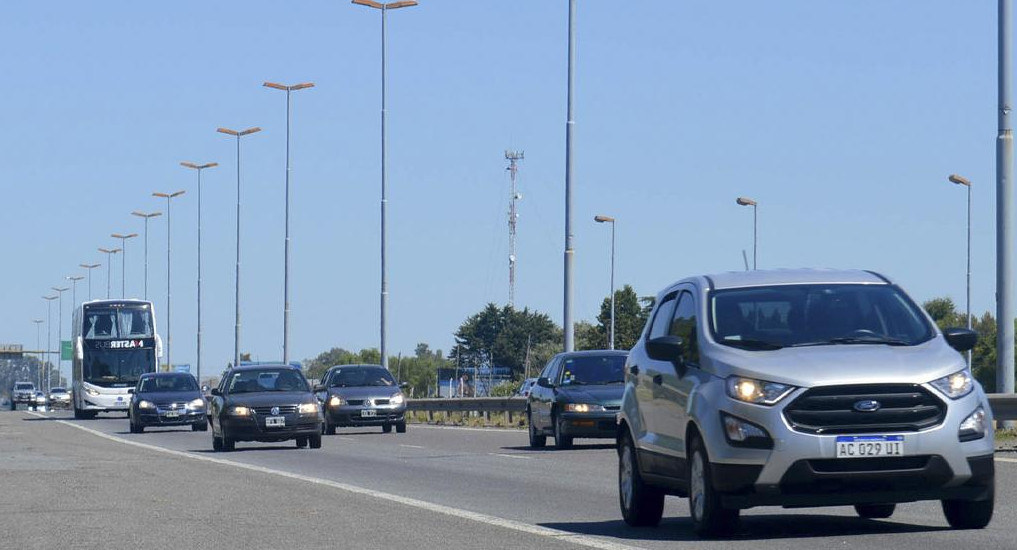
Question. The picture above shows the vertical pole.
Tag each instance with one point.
(755, 233)
(89, 284)
(123, 268)
(146, 257)
(199, 279)
(236, 333)
(611, 343)
(968, 302)
(1004, 201)
(569, 124)
(169, 332)
(109, 260)
(38, 346)
(60, 337)
(286, 253)
(384, 204)
(49, 338)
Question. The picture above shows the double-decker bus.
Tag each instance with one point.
(115, 342)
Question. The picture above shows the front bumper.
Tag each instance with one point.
(253, 428)
(168, 418)
(601, 425)
(353, 415)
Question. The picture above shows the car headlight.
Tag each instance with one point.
(198, 403)
(583, 407)
(309, 408)
(397, 399)
(240, 410)
(973, 427)
(145, 405)
(335, 401)
(92, 392)
(755, 391)
(956, 385)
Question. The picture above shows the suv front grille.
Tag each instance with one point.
(830, 409)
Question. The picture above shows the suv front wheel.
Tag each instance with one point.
(641, 504)
(709, 518)
(966, 514)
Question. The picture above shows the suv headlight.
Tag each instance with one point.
(397, 399)
(956, 385)
(755, 391)
(583, 408)
(309, 408)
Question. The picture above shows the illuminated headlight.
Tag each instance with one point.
(583, 408)
(956, 385)
(397, 399)
(973, 427)
(335, 401)
(196, 404)
(309, 408)
(145, 405)
(742, 433)
(92, 392)
(240, 410)
(759, 392)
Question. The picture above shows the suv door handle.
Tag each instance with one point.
(658, 379)
(634, 370)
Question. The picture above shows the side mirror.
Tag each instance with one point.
(960, 339)
(665, 348)
(404, 385)
(130, 390)
(215, 391)
(158, 346)
(79, 349)
(318, 388)
(544, 382)
(204, 388)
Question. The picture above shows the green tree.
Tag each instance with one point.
(629, 319)
(503, 337)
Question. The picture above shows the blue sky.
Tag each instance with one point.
(843, 120)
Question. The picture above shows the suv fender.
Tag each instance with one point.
(629, 417)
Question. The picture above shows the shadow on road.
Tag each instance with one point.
(551, 448)
(751, 527)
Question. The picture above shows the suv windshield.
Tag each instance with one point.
(772, 317)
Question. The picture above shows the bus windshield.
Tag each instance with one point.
(121, 322)
(117, 368)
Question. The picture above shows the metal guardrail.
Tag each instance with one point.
(1004, 406)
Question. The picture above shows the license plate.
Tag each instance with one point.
(275, 421)
(862, 446)
(366, 412)
(172, 414)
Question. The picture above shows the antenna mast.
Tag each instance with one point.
(513, 157)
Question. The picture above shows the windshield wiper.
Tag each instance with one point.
(877, 340)
(751, 344)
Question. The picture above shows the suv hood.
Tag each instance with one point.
(842, 363)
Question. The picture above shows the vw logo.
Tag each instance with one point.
(275, 410)
(867, 405)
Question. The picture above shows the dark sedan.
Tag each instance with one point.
(264, 403)
(166, 399)
(362, 395)
(578, 394)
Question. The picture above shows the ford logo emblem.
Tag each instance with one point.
(275, 410)
(867, 405)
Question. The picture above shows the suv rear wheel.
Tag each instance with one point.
(709, 518)
(641, 504)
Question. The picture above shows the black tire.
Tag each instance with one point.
(875, 511)
(561, 442)
(199, 427)
(329, 428)
(301, 442)
(641, 504)
(216, 444)
(136, 428)
(14, 406)
(401, 427)
(315, 441)
(537, 440)
(228, 444)
(970, 514)
(387, 428)
(709, 518)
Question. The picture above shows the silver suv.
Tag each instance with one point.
(800, 388)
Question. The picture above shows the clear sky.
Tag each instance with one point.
(842, 119)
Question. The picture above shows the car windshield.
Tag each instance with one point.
(361, 376)
(24, 386)
(773, 317)
(117, 322)
(262, 380)
(57, 390)
(116, 368)
(593, 370)
(181, 383)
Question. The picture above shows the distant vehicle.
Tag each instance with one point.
(40, 400)
(361, 395)
(264, 403)
(115, 342)
(525, 387)
(22, 392)
(167, 399)
(797, 388)
(578, 394)
(59, 398)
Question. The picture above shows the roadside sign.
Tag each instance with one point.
(182, 368)
(66, 351)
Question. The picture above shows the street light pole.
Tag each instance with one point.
(198, 168)
(384, 202)
(123, 260)
(169, 335)
(89, 267)
(745, 201)
(109, 253)
(38, 347)
(609, 219)
(286, 252)
(959, 180)
(146, 216)
(60, 333)
(569, 126)
(236, 335)
(74, 288)
(49, 334)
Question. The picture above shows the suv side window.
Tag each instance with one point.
(684, 326)
(662, 317)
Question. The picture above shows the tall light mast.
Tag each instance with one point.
(513, 157)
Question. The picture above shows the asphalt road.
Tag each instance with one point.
(429, 487)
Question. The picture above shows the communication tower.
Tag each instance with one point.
(513, 217)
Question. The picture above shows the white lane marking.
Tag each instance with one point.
(1010, 460)
(556, 534)
(347, 439)
(465, 429)
(411, 446)
(512, 456)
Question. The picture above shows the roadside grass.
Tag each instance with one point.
(470, 419)
(1006, 439)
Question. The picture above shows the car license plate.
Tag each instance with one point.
(861, 446)
(172, 414)
(275, 421)
(367, 412)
